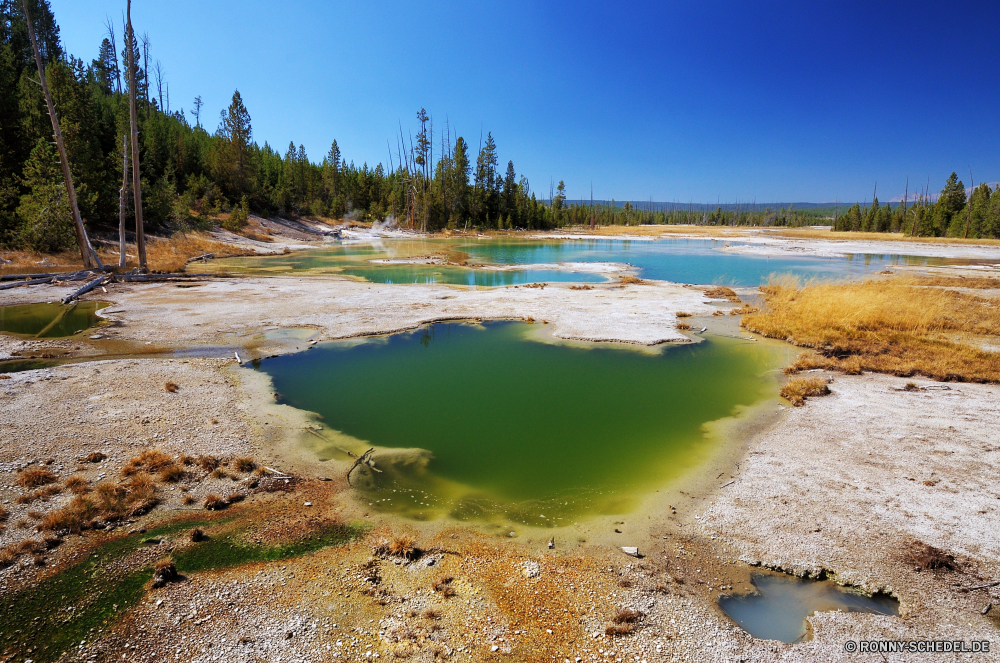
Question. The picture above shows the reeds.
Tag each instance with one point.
(901, 326)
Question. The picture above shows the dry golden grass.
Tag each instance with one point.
(215, 502)
(170, 473)
(683, 326)
(43, 494)
(814, 233)
(624, 622)
(244, 464)
(682, 314)
(171, 255)
(95, 457)
(35, 478)
(901, 326)
(796, 390)
(722, 292)
(77, 485)
(628, 279)
(153, 460)
(208, 463)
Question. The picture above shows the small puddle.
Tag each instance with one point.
(50, 320)
(779, 607)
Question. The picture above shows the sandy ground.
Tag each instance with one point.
(848, 484)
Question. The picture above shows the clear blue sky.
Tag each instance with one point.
(790, 101)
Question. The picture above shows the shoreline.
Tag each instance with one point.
(866, 434)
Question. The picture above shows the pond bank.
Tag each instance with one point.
(842, 463)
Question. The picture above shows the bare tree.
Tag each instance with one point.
(122, 202)
(87, 252)
(110, 28)
(968, 219)
(158, 70)
(140, 238)
(145, 69)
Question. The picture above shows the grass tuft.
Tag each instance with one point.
(797, 390)
(244, 464)
(77, 485)
(153, 460)
(171, 387)
(35, 478)
(722, 292)
(215, 502)
(95, 457)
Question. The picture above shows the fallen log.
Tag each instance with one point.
(15, 277)
(18, 284)
(987, 586)
(85, 289)
(150, 278)
(201, 257)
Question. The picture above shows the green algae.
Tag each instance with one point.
(47, 619)
(477, 421)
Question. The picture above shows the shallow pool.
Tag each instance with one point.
(484, 420)
(780, 605)
(467, 261)
(50, 320)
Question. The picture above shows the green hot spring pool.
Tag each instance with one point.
(492, 421)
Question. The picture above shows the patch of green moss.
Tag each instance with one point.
(231, 549)
(37, 621)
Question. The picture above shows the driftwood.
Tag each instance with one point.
(205, 256)
(69, 276)
(85, 289)
(18, 284)
(363, 459)
(987, 586)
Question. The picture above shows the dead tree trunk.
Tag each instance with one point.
(87, 252)
(968, 219)
(121, 203)
(140, 237)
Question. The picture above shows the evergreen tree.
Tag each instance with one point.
(235, 128)
(46, 218)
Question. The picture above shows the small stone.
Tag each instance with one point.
(95, 337)
(494, 648)
(630, 550)
(308, 504)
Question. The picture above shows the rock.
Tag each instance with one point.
(552, 543)
(630, 550)
(494, 648)
(531, 569)
(95, 337)
(308, 504)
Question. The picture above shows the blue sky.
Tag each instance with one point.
(773, 100)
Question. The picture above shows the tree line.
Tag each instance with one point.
(953, 214)
(190, 175)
